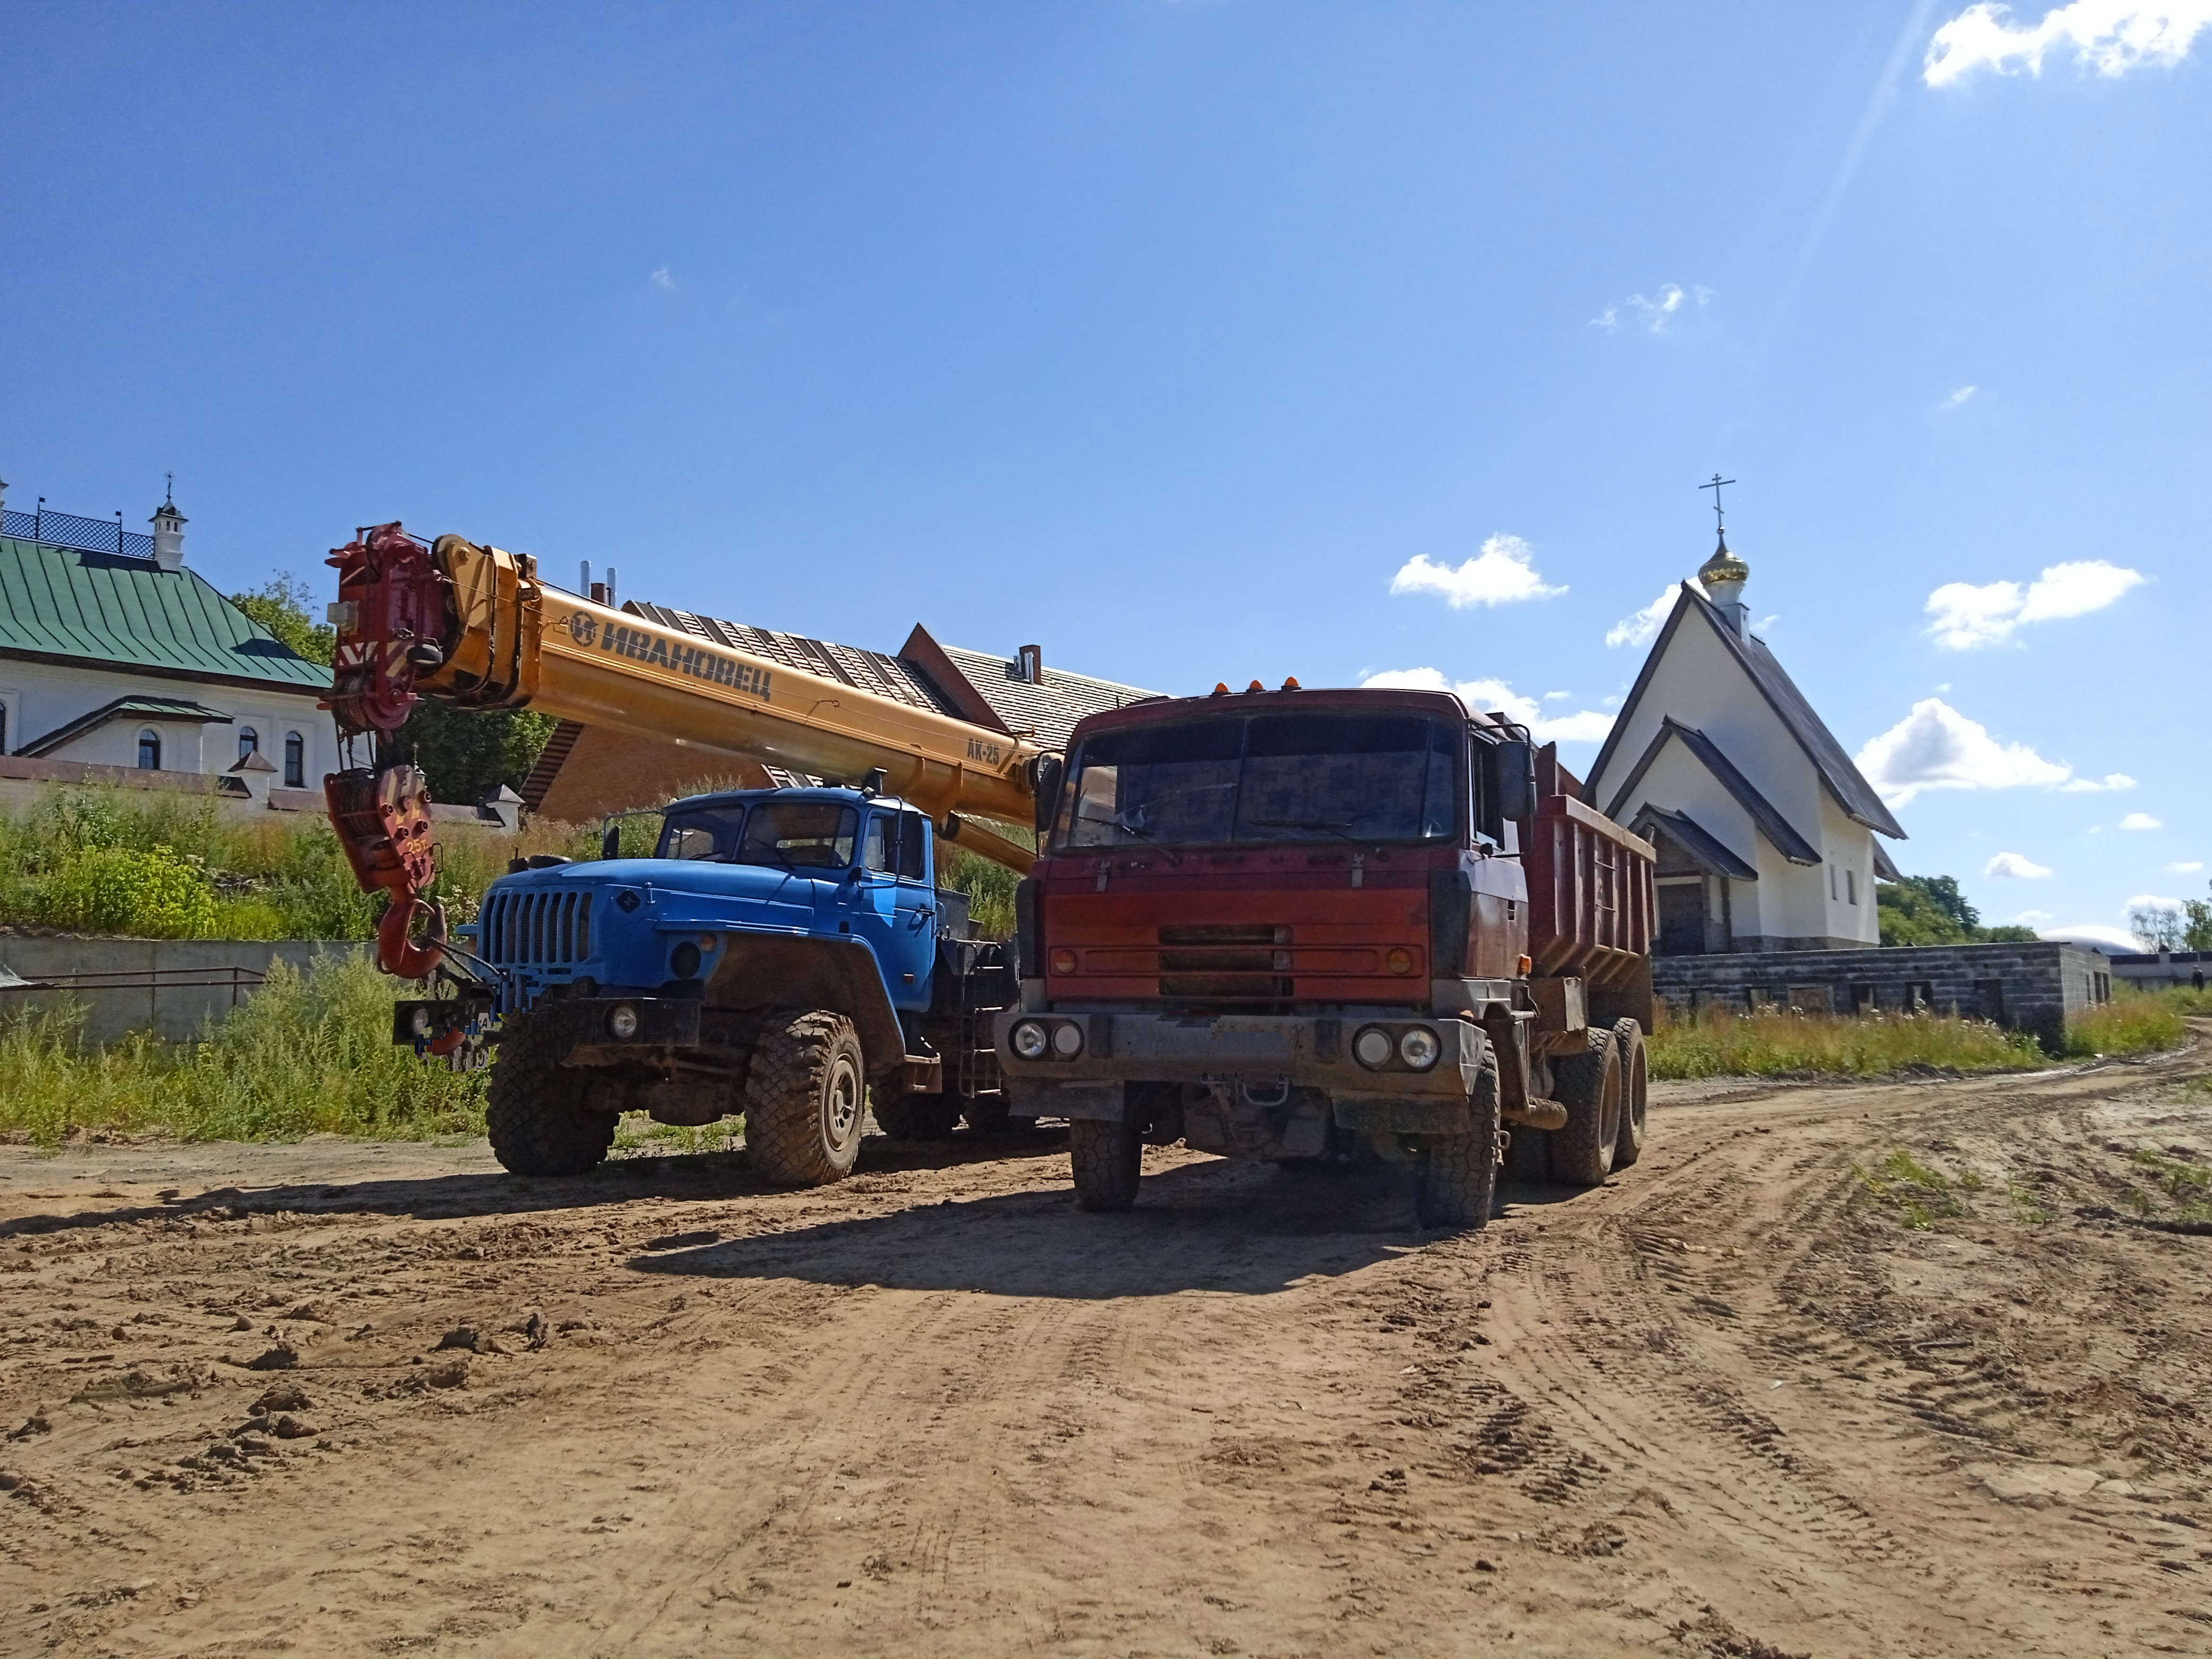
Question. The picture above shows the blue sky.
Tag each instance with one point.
(1170, 335)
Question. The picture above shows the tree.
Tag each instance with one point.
(1931, 911)
(2157, 927)
(280, 605)
(467, 753)
(2196, 935)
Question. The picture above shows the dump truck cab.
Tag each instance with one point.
(1297, 925)
(782, 953)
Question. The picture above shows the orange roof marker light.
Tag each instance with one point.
(1221, 688)
(1255, 686)
(1291, 684)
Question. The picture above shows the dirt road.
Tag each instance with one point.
(1730, 1404)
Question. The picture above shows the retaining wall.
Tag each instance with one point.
(172, 989)
(2029, 987)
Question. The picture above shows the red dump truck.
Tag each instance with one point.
(1323, 925)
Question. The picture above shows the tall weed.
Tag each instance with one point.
(306, 1054)
(1717, 1042)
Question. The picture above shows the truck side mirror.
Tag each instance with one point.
(1517, 780)
(610, 842)
(1047, 773)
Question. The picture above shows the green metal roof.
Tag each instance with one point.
(159, 709)
(129, 612)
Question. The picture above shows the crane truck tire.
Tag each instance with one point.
(806, 1100)
(1106, 1158)
(1457, 1175)
(537, 1113)
(1634, 1087)
(1588, 1086)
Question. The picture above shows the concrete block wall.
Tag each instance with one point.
(168, 1004)
(2029, 987)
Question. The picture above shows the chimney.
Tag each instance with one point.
(1029, 663)
(168, 534)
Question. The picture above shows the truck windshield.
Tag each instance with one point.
(701, 832)
(813, 833)
(1265, 778)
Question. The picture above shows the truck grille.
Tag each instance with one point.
(535, 929)
(1230, 962)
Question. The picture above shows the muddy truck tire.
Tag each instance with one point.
(539, 1115)
(806, 1100)
(1457, 1175)
(1105, 1159)
(1635, 1090)
(1588, 1086)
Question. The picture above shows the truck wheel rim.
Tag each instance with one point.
(843, 1102)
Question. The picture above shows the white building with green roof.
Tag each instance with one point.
(120, 663)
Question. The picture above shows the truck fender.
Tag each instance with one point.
(759, 972)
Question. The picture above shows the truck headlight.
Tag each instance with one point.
(683, 960)
(1067, 1041)
(1372, 1047)
(1418, 1048)
(622, 1024)
(1028, 1039)
(419, 1022)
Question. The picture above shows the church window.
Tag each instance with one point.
(149, 751)
(1851, 885)
(295, 761)
(248, 741)
(1832, 893)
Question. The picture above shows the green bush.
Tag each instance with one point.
(306, 1054)
(152, 894)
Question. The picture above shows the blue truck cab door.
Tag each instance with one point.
(894, 910)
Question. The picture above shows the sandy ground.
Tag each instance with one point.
(1729, 1405)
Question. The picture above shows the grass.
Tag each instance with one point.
(306, 1054)
(2134, 1023)
(1919, 1194)
(1717, 1042)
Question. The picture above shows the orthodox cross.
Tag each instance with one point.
(1720, 523)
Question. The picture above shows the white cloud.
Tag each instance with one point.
(1501, 574)
(2110, 782)
(2110, 36)
(662, 279)
(1964, 395)
(1641, 627)
(2184, 866)
(2152, 902)
(1936, 747)
(1656, 314)
(2016, 864)
(1584, 726)
(2092, 933)
(2031, 918)
(2140, 821)
(1967, 615)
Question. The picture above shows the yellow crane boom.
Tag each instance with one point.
(472, 626)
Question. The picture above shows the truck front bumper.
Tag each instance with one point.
(1257, 1056)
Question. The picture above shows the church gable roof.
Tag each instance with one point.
(1702, 848)
(1772, 824)
(1837, 775)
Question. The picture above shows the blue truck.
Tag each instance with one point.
(785, 954)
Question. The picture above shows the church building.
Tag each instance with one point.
(120, 664)
(1767, 834)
